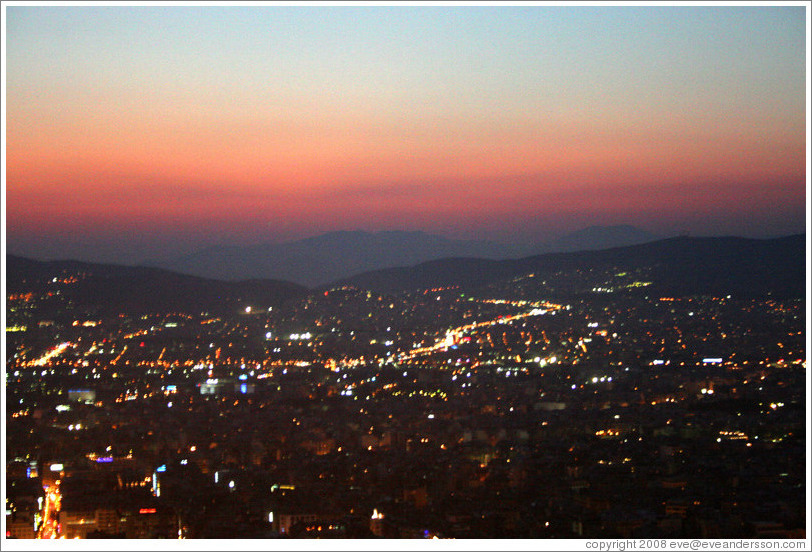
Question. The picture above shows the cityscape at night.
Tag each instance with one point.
(598, 410)
(534, 273)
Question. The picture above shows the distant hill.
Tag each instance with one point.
(329, 257)
(113, 288)
(601, 237)
(679, 266)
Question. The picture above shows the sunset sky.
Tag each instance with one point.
(138, 131)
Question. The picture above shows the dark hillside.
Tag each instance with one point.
(679, 266)
(113, 288)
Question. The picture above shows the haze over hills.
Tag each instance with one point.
(328, 257)
(600, 237)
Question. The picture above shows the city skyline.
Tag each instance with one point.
(136, 130)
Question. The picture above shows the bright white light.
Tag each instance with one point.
(247, 310)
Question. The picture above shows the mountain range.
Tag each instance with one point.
(329, 257)
(680, 266)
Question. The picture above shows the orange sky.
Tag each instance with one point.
(501, 123)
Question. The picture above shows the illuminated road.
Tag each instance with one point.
(50, 521)
(56, 351)
(454, 335)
